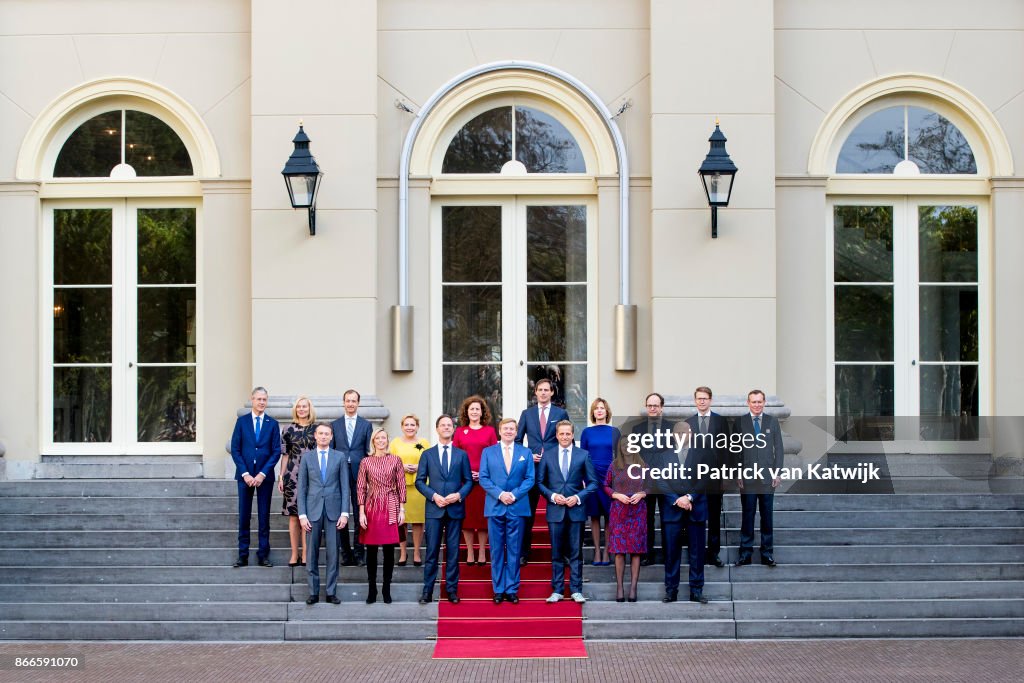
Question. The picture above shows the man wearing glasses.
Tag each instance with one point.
(655, 424)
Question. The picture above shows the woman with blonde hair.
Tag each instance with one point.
(409, 449)
(295, 440)
(599, 440)
(380, 489)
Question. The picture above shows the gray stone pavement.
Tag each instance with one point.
(980, 660)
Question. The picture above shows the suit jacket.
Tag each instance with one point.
(315, 496)
(518, 481)
(360, 445)
(254, 455)
(431, 480)
(769, 455)
(581, 481)
(681, 486)
(711, 454)
(529, 427)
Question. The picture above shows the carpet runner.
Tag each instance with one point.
(476, 628)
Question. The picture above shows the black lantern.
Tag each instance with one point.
(302, 177)
(717, 173)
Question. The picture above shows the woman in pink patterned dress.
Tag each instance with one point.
(381, 491)
(627, 519)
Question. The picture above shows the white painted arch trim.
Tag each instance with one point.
(172, 109)
(981, 123)
(541, 80)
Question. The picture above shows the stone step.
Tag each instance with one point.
(139, 592)
(194, 575)
(886, 536)
(61, 505)
(141, 488)
(683, 628)
(360, 630)
(143, 630)
(830, 502)
(1002, 608)
(45, 519)
(358, 610)
(887, 554)
(78, 470)
(655, 610)
(135, 611)
(880, 628)
(935, 571)
(872, 590)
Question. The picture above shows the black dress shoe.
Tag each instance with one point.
(670, 596)
(768, 560)
(697, 596)
(348, 561)
(424, 599)
(241, 562)
(401, 563)
(295, 564)
(715, 560)
(333, 599)
(312, 599)
(512, 597)
(620, 599)
(743, 561)
(645, 561)
(265, 563)
(523, 561)
(453, 598)
(417, 563)
(498, 597)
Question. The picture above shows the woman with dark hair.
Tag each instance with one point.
(381, 491)
(473, 435)
(627, 518)
(599, 440)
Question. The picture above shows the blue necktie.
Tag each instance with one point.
(444, 463)
(323, 467)
(757, 425)
(565, 463)
(259, 423)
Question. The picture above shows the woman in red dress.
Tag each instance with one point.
(474, 434)
(381, 492)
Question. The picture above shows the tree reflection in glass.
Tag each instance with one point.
(920, 135)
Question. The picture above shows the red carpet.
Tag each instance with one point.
(476, 628)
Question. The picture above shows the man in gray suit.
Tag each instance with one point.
(762, 447)
(323, 498)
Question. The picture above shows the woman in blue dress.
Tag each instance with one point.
(599, 440)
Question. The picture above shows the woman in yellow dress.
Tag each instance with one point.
(409, 449)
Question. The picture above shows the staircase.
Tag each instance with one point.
(150, 560)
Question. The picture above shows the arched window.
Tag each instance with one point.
(122, 280)
(123, 143)
(513, 139)
(906, 140)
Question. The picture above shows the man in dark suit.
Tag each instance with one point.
(762, 447)
(351, 437)
(507, 474)
(324, 501)
(711, 438)
(255, 448)
(655, 424)
(685, 512)
(566, 477)
(537, 426)
(445, 479)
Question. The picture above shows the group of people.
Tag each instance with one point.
(483, 482)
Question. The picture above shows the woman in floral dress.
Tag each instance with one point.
(627, 519)
(295, 439)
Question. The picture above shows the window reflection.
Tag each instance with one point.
(149, 146)
(887, 137)
(486, 143)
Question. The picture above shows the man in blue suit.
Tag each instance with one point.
(351, 437)
(323, 501)
(507, 475)
(537, 426)
(685, 511)
(445, 479)
(255, 448)
(567, 477)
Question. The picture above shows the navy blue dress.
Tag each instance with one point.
(600, 442)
